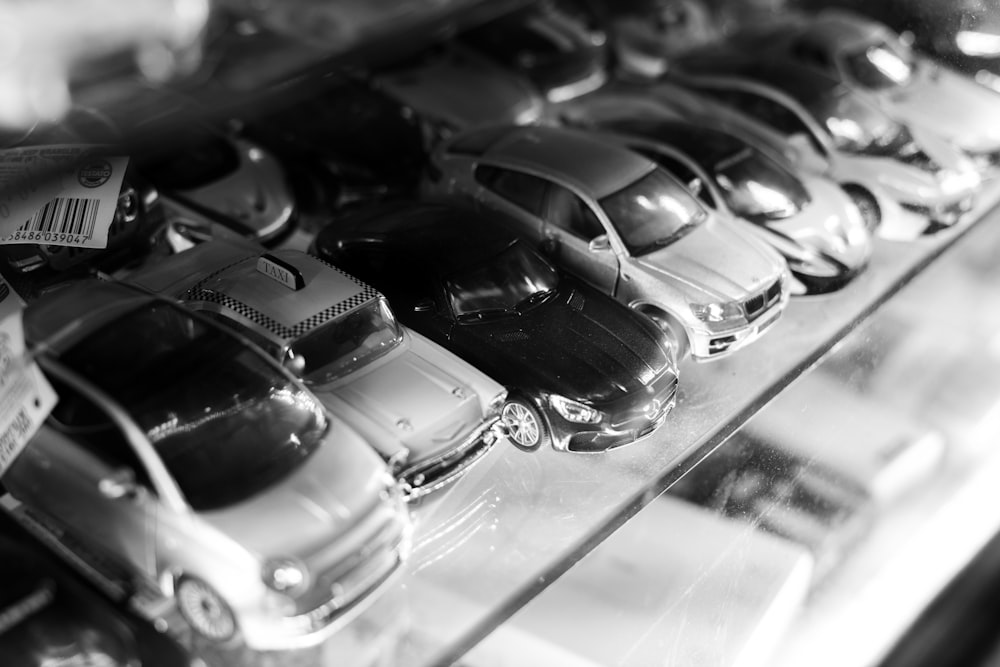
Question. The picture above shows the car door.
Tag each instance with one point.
(82, 472)
(518, 196)
(577, 241)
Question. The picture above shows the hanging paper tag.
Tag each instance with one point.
(62, 194)
(26, 397)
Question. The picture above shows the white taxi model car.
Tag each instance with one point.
(428, 413)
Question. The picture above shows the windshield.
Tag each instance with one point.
(652, 212)
(880, 66)
(226, 422)
(348, 343)
(859, 127)
(755, 186)
(509, 283)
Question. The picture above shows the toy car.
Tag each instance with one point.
(49, 618)
(624, 225)
(865, 55)
(583, 373)
(839, 131)
(211, 172)
(182, 460)
(810, 220)
(453, 88)
(561, 55)
(428, 413)
(965, 34)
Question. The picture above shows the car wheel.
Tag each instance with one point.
(866, 204)
(205, 610)
(525, 426)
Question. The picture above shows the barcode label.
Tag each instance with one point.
(62, 220)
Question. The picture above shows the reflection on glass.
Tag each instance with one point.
(653, 212)
(880, 66)
(755, 186)
(516, 278)
(226, 422)
(860, 127)
(345, 344)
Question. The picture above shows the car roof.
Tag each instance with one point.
(245, 288)
(62, 317)
(441, 237)
(837, 31)
(704, 145)
(595, 165)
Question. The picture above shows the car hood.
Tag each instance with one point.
(715, 261)
(256, 194)
(951, 105)
(407, 402)
(316, 505)
(579, 343)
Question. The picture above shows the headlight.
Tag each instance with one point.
(496, 404)
(284, 575)
(958, 181)
(974, 43)
(716, 312)
(574, 411)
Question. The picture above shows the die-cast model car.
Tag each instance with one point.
(583, 372)
(556, 51)
(626, 226)
(454, 88)
(428, 413)
(48, 618)
(182, 459)
(220, 176)
(965, 34)
(865, 55)
(809, 219)
(840, 131)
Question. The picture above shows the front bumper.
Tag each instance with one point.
(626, 420)
(429, 475)
(707, 344)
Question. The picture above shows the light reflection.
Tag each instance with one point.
(889, 64)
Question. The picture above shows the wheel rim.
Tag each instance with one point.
(205, 610)
(521, 424)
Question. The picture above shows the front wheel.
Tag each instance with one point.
(205, 610)
(525, 425)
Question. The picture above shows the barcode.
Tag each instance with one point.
(65, 215)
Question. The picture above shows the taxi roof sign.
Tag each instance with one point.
(280, 271)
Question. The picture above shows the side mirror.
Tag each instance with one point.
(120, 484)
(424, 306)
(295, 363)
(599, 244)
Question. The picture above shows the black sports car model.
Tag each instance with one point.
(583, 371)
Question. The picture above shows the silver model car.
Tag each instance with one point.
(222, 178)
(809, 219)
(427, 412)
(623, 224)
(842, 133)
(182, 460)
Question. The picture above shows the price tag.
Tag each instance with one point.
(26, 397)
(61, 194)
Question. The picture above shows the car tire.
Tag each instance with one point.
(866, 203)
(526, 428)
(205, 610)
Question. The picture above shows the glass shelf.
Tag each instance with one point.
(495, 540)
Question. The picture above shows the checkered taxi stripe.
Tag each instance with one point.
(201, 293)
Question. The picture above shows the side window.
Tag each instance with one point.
(86, 423)
(525, 190)
(763, 109)
(680, 171)
(567, 211)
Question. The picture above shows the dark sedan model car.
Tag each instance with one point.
(584, 372)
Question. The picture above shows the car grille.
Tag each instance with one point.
(758, 303)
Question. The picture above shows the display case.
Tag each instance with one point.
(809, 497)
